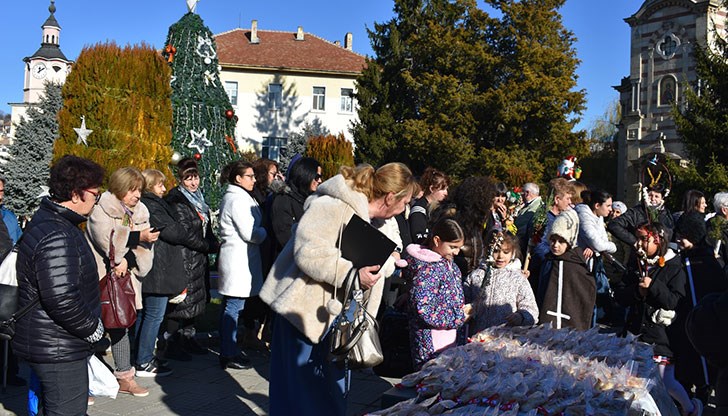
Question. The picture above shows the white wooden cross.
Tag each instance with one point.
(559, 299)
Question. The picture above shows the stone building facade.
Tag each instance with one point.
(662, 67)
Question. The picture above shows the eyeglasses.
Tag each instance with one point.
(250, 175)
(96, 195)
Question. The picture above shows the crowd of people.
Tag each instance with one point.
(479, 256)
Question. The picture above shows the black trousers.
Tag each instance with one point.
(64, 387)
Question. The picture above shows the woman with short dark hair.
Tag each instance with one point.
(56, 265)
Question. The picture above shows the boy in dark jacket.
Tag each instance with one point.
(567, 290)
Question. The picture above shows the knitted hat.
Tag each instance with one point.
(691, 225)
(619, 205)
(566, 226)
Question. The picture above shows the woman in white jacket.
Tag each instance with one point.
(239, 265)
(592, 232)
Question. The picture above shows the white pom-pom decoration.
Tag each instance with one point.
(334, 307)
(176, 157)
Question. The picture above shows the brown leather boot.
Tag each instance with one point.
(129, 386)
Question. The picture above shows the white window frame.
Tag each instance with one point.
(275, 96)
(319, 99)
(231, 88)
(347, 100)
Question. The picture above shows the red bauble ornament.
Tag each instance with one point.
(229, 114)
(197, 156)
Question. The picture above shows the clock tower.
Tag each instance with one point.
(48, 63)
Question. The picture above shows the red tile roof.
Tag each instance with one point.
(281, 50)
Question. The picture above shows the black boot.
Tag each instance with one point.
(190, 345)
(174, 349)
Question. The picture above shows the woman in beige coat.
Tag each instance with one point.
(302, 379)
(119, 210)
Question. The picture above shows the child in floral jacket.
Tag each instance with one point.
(436, 308)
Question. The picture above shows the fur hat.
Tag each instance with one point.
(691, 225)
(566, 226)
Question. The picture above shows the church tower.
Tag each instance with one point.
(662, 67)
(48, 63)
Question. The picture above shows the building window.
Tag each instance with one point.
(231, 88)
(272, 147)
(347, 100)
(319, 98)
(275, 96)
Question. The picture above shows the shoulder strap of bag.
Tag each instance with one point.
(21, 312)
(112, 262)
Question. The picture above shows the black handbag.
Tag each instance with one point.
(354, 334)
(9, 312)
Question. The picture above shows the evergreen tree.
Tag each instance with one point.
(123, 95)
(203, 118)
(450, 83)
(31, 153)
(332, 152)
(703, 120)
(297, 141)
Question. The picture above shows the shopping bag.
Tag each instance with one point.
(101, 381)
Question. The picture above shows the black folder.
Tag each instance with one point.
(364, 245)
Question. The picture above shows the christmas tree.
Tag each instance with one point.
(120, 99)
(203, 118)
(31, 154)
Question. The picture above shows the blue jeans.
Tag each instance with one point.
(64, 387)
(147, 325)
(231, 308)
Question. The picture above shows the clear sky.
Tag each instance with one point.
(603, 36)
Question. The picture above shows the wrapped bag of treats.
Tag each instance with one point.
(538, 371)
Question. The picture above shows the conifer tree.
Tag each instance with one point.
(450, 83)
(703, 121)
(123, 95)
(203, 118)
(31, 153)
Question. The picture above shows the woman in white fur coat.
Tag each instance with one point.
(119, 209)
(239, 264)
(303, 381)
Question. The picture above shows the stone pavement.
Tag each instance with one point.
(199, 387)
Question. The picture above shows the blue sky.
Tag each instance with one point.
(603, 36)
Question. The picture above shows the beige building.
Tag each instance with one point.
(277, 81)
(662, 67)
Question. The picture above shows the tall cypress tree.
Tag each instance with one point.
(31, 153)
(123, 94)
(203, 118)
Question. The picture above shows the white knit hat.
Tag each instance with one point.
(566, 226)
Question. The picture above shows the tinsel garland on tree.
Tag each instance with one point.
(203, 121)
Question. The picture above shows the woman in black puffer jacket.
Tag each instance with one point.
(56, 264)
(189, 207)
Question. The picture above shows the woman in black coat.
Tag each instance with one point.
(287, 208)
(193, 213)
(704, 276)
(56, 265)
(653, 288)
(165, 280)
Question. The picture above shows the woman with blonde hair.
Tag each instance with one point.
(303, 381)
(165, 280)
(121, 219)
